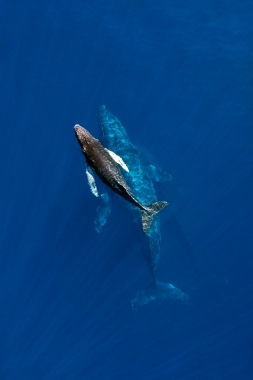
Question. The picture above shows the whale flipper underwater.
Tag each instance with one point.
(105, 165)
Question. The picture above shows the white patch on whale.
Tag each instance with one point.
(118, 159)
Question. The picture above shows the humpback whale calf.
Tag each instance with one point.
(105, 164)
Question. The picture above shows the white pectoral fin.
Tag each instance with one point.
(91, 182)
(118, 159)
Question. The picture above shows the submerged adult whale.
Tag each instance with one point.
(105, 164)
(141, 178)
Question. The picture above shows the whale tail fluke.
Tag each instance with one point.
(158, 290)
(149, 212)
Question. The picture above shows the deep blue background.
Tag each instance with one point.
(179, 76)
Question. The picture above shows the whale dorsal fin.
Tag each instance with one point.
(118, 159)
(91, 182)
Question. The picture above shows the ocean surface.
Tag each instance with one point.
(178, 75)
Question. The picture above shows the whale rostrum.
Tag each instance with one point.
(105, 164)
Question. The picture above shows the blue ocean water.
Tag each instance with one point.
(179, 77)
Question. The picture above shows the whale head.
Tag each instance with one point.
(111, 132)
(83, 137)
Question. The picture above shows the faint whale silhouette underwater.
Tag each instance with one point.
(141, 179)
